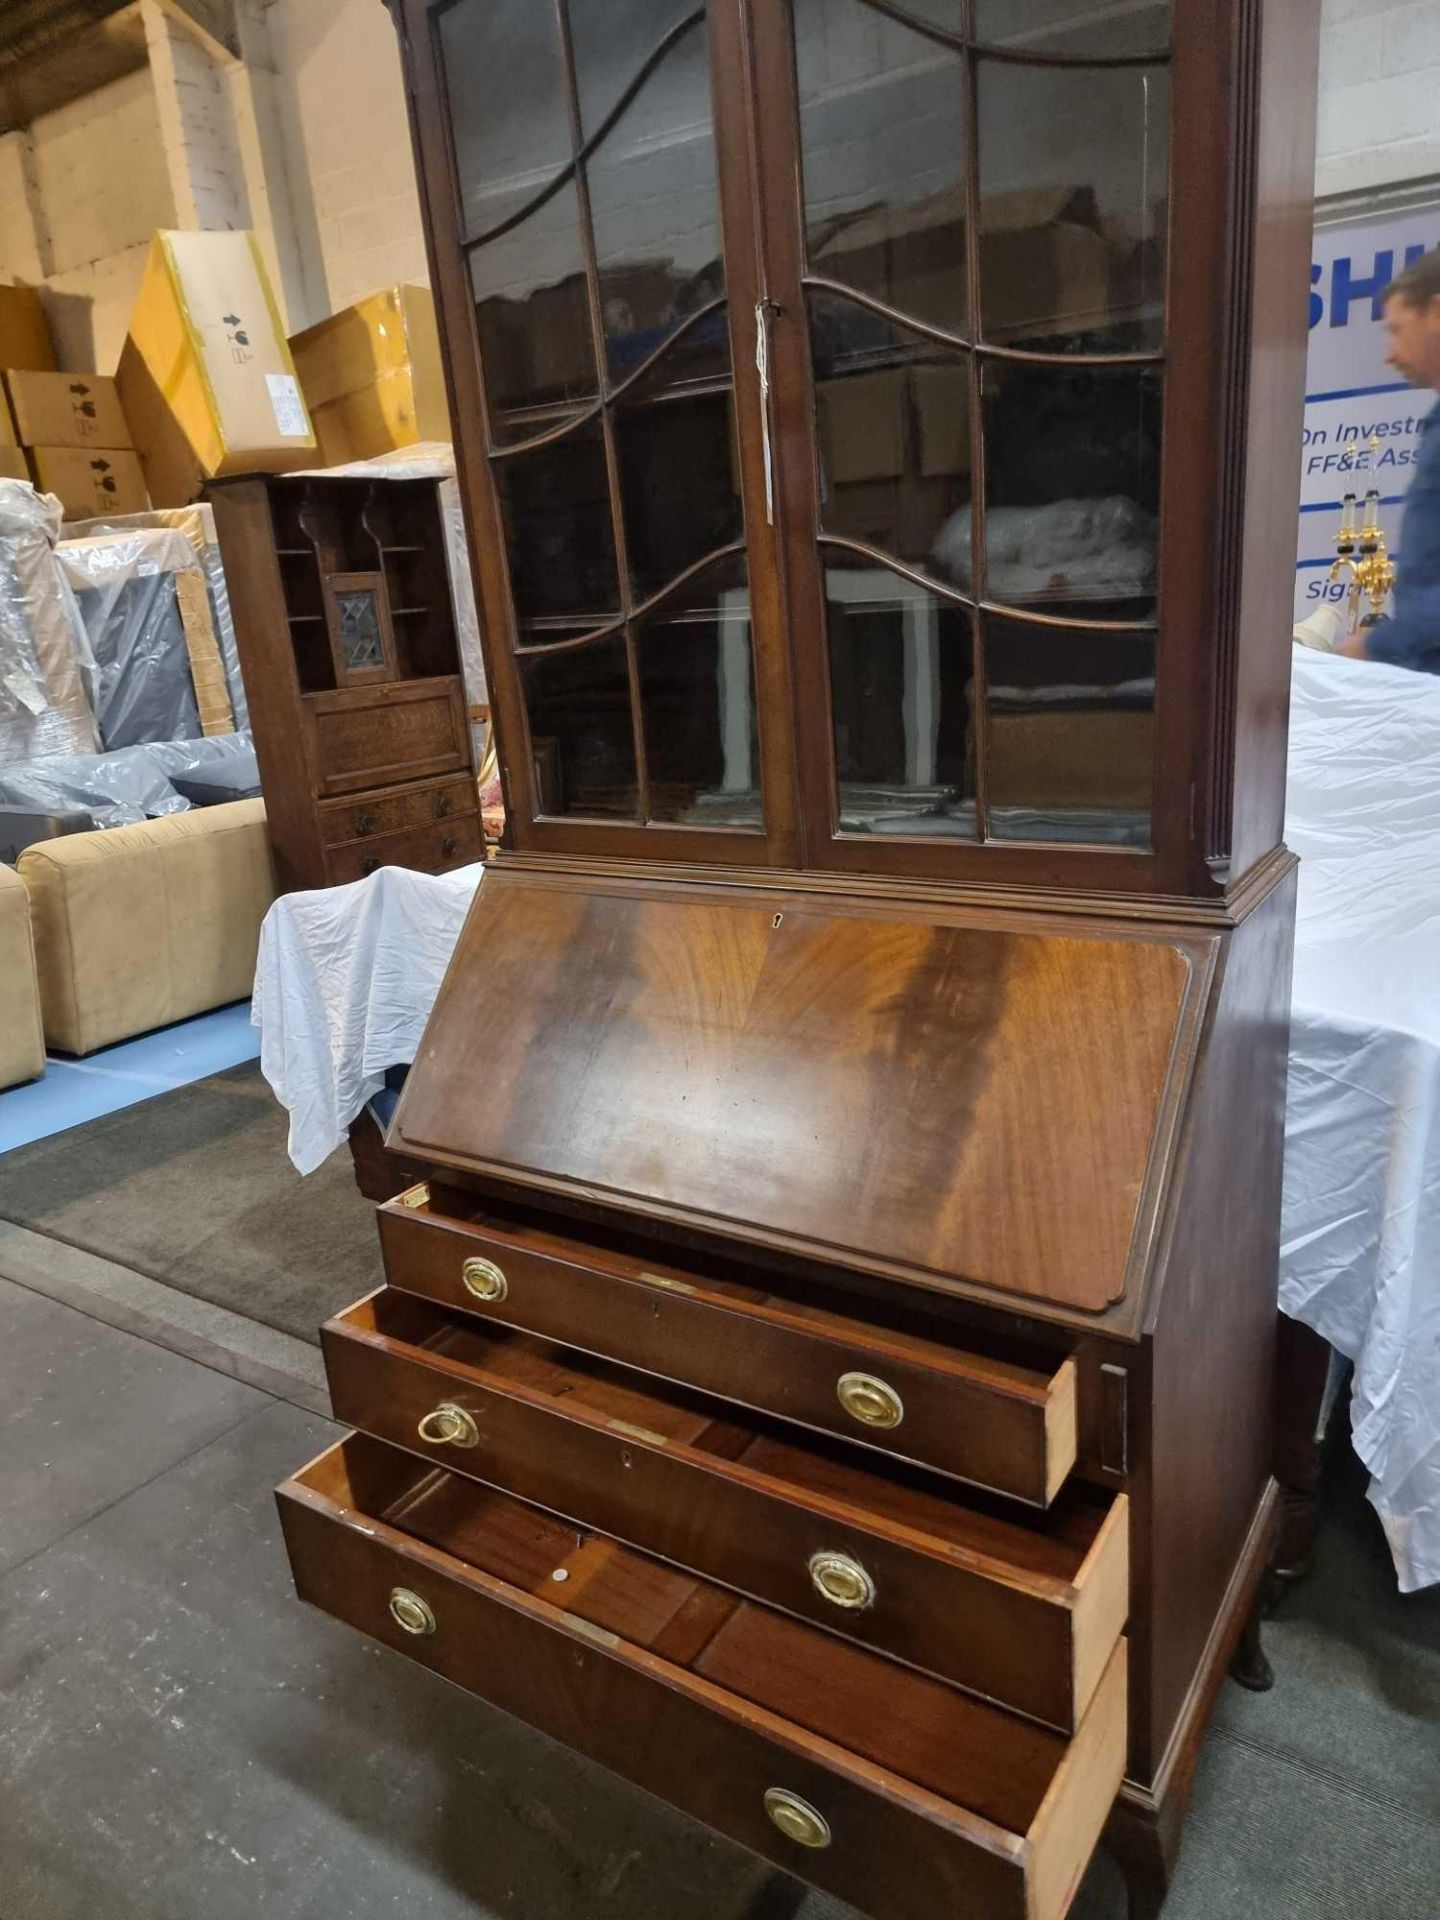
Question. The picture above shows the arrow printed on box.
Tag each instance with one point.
(100, 466)
(79, 387)
(231, 319)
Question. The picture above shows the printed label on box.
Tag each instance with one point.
(289, 409)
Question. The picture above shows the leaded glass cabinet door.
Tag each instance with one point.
(975, 255)
(603, 264)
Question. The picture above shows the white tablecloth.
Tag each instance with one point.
(1360, 1252)
(344, 983)
(347, 977)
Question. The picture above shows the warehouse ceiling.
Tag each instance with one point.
(55, 51)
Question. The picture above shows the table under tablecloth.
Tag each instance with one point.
(346, 979)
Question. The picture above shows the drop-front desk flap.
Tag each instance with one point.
(961, 1098)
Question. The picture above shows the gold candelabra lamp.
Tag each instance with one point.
(1361, 552)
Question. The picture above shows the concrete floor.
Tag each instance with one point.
(180, 1738)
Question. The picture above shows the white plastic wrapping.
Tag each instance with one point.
(197, 523)
(1073, 548)
(344, 982)
(125, 587)
(44, 703)
(116, 789)
(1360, 1255)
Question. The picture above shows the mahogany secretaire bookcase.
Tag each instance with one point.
(826, 1376)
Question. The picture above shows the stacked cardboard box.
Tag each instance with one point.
(73, 430)
(371, 376)
(205, 376)
(24, 342)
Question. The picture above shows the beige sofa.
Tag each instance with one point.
(22, 1044)
(138, 926)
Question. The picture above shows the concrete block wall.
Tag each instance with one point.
(1379, 120)
(348, 147)
(82, 190)
(197, 126)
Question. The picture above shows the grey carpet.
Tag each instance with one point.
(194, 1188)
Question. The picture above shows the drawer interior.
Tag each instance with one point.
(1048, 1548)
(946, 1742)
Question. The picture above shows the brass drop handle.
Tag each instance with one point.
(370, 864)
(411, 1613)
(870, 1401)
(840, 1579)
(448, 846)
(796, 1818)
(484, 1279)
(366, 821)
(442, 805)
(449, 1426)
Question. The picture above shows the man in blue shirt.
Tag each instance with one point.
(1411, 637)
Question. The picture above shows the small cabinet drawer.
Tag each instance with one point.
(1023, 1608)
(895, 1793)
(1007, 1427)
(448, 843)
(372, 736)
(372, 814)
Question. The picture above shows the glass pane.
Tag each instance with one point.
(1075, 26)
(893, 429)
(505, 85)
(532, 311)
(900, 687)
(1070, 744)
(558, 532)
(882, 132)
(679, 480)
(1072, 487)
(359, 621)
(612, 40)
(697, 695)
(654, 201)
(1074, 166)
(581, 738)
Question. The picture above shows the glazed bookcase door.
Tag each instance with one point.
(592, 241)
(966, 244)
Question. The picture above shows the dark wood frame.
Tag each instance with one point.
(1219, 477)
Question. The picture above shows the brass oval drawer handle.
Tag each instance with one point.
(365, 821)
(870, 1401)
(449, 1426)
(442, 805)
(448, 846)
(484, 1279)
(841, 1580)
(410, 1612)
(796, 1818)
(370, 864)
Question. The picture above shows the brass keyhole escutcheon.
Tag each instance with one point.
(796, 1818)
(870, 1401)
(410, 1612)
(841, 1580)
(484, 1279)
(449, 1426)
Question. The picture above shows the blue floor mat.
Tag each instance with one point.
(74, 1091)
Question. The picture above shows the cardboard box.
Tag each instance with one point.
(205, 376)
(66, 410)
(24, 333)
(371, 376)
(13, 464)
(90, 480)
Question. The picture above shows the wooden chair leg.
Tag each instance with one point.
(1250, 1668)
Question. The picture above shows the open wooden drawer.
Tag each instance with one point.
(900, 1795)
(1022, 1607)
(996, 1423)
